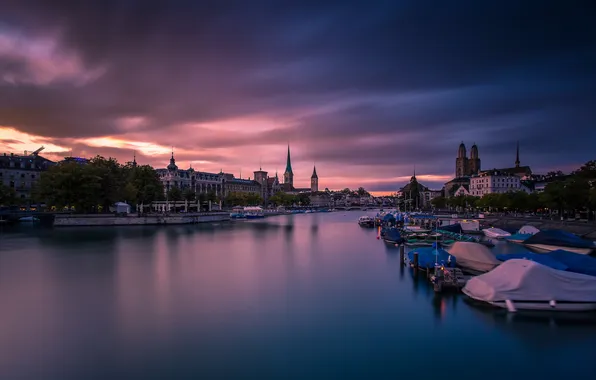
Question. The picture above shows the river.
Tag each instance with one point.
(308, 296)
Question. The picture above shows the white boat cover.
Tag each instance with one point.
(528, 230)
(493, 231)
(525, 280)
(474, 256)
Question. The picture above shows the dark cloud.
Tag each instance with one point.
(394, 83)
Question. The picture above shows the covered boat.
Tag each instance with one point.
(552, 240)
(495, 233)
(523, 234)
(473, 256)
(429, 256)
(537, 257)
(454, 228)
(527, 285)
(574, 261)
(391, 235)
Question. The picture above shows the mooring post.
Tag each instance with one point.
(402, 251)
(415, 261)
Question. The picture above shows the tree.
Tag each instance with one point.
(8, 196)
(189, 195)
(174, 194)
(439, 202)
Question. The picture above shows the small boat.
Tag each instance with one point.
(522, 235)
(527, 285)
(575, 262)
(536, 257)
(237, 215)
(495, 233)
(254, 212)
(366, 221)
(429, 256)
(474, 257)
(28, 219)
(391, 235)
(445, 277)
(552, 240)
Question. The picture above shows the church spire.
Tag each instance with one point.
(289, 162)
(517, 156)
(314, 172)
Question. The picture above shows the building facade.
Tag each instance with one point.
(197, 181)
(495, 182)
(239, 185)
(21, 173)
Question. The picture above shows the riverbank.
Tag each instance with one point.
(583, 229)
(135, 220)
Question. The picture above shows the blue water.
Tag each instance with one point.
(310, 296)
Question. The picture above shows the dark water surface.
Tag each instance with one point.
(309, 296)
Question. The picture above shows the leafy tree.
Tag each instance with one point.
(189, 195)
(8, 196)
(439, 202)
(174, 194)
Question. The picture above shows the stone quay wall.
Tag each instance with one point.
(135, 220)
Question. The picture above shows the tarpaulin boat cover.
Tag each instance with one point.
(518, 237)
(388, 217)
(537, 257)
(559, 238)
(525, 280)
(574, 261)
(456, 228)
(392, 234)
(474, 256)
(428, 256)
(528, 230)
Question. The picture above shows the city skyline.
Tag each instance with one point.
(229, 87)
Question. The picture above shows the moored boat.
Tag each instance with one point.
(495, 233)
(474, 257)
(366, 221)
(254, 212)
(552, 240)
(519, 284)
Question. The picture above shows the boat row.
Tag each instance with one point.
(557, 280)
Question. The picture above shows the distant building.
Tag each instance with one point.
(467, 168)
(495, 182)
(22, 172)
(464, 166)
(239, 185)
(288, 174)
(197, 181)
(314, 180)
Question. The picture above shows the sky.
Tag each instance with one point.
(369, 91)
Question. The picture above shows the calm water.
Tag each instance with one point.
(309, 296)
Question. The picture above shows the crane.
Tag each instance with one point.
(35, 153)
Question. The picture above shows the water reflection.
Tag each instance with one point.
(286, 295)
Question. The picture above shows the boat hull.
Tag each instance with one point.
(549, 248)
(545, 306)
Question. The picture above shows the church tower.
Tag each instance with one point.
(288, 174)
(474, 162)
(517, 156)
(461, 162)
(314, 180)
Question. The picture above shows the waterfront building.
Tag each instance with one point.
(21, 172)
(466, 168)
(239, 185)
(197, 181)
(495, 182)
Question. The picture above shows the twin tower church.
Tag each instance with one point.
(288, 185)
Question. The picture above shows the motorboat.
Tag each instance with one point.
(575, 262)
(552, 240)
(495, 233)
(366, 221)
(391, 235)
(537, 257)
(520, 284)
(522, 235)
(254, 212)
(474, 257)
